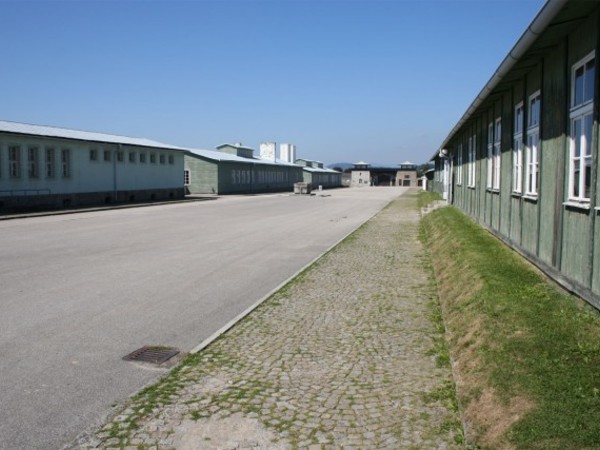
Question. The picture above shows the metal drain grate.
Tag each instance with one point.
(154, 354)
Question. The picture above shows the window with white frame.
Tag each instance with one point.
(33, 162)
(50, 162)
(518, 149)
(459, 164)
(581, 117)
(186, 177)
(532, 145)
(497, 153)
(490, 154)
(65, 163)
(14, 161)
(493, 161)
(472, 152)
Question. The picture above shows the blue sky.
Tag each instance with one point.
(345, 80)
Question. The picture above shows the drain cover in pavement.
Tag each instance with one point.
(152, 354)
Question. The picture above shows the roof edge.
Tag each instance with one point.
(531, 33)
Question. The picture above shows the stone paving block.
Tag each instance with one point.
(339, 359)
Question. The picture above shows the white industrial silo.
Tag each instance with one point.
(287, 152)
(267, 150)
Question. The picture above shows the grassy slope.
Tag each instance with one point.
(526, 355)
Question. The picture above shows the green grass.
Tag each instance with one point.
(425, 198)
(527, 339)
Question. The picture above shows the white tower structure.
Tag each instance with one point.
(287, 152)
(267, 150)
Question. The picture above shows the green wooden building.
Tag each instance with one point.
(523, 159)
(234, 170)
(316, 174)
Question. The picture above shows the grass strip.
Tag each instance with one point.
(526, 355)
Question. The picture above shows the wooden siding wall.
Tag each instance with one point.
(563, 240)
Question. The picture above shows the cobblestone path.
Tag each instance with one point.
(341, 358)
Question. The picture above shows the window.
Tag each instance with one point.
(581, 116)
(107, 157)
(518, 149)
(472, 159)
(497, 153)
(186, 177)
(161, 158)
(93, 154)
(171, 159)
(153, 158)
(131, 157)
(14, 161)
(65, 163)
(532, 146)
(143, 157)
(459, 163)
(120, 156)
(33, 163)
(50, 162)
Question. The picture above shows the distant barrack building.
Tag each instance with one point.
(363, 174)
(233, 169)
(43, 167)
(317, 175)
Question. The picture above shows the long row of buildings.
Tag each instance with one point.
(523, 159)
(49, 167)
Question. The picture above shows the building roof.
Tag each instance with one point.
(214, 155)
(65, 133)
(318, 170)
(237, 145)
(554, 21)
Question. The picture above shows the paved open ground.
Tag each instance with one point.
(339, 359)
(80, 291)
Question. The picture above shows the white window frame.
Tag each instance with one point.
(459, 164)
(497, 153)
(532, 147)
(187, 177)
(490, 147)
(472, 154)
(580, 112)
(493, 154)
(518, 149)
